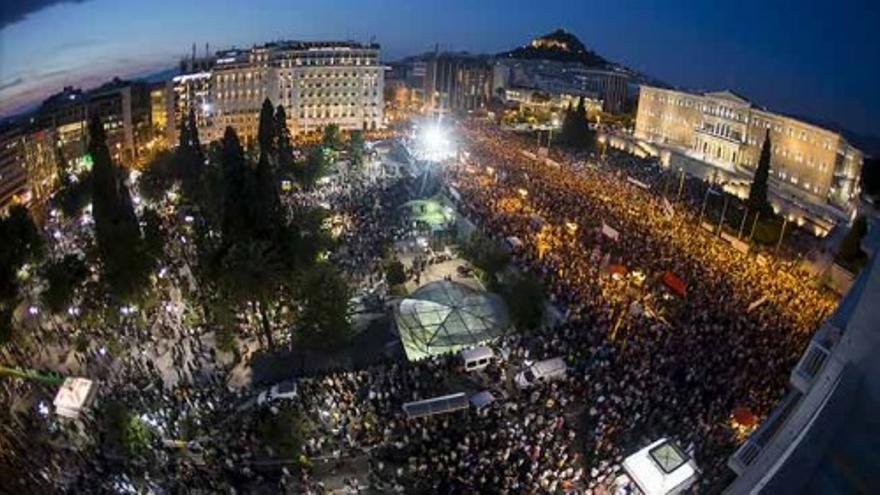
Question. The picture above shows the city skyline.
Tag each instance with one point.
(829, 81)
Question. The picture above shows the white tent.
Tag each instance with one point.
(661, 468)
(74, 395)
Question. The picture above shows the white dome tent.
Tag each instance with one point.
(445, 316)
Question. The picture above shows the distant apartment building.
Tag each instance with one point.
(809, 164)
(191, 92)
(13, 175)
(162, 112)
(28, 165)
(317, 83)
(122, 106)
(609, 86)
(458, 82)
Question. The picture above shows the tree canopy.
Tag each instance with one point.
(757, 201)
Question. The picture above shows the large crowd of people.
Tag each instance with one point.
(643, 362)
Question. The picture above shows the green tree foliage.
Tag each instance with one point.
(322, 320)
(757, 201)
(394, 273)
(63, 276)
(116, 226)
(74, 194)
(849, 252)
(485, 254)
(282, 435)
(871, 178)
(125, 432)
(157, 177)
(264, 201)
(284, 142)
(525, 301)
(576, 131)
(20, 243)
(253, 272)
(356, 149)
(331, 137)
(235, 186)
(190, 159)
(315, 167)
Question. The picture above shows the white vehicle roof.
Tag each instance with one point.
(477, 353)
(661, 468)
(548, 366)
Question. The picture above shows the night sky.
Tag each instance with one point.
(816, 58)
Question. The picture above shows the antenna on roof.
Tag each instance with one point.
(194, 53)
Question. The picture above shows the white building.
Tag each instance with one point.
(317, 83)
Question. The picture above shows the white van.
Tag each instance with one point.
(541, 372)
(477, 358)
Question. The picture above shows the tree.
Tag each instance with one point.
(394, 273)
(190, 159)
(331, 138)
(525, 300)
(871, 178)
(284, 141)
(282, 434)
(264, 201)
(74, 194)
(356, 149)
(20, 242)
(322, 320)
(125, 432)
(849, 252)
(757, 201)
(157, 177)
(267, 131)
(235, 187)
(313, 169)
(485, 254)
(253, 273)
(116, 226)
(63, 276)
(576, 131)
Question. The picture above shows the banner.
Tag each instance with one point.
(637, 183)
(757, 303)
(610, 232)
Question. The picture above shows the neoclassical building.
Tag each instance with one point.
(317, 83)
(725, 130)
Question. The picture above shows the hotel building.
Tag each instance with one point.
(317, 83)
(809, 164)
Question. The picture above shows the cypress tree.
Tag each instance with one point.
(757, 201)
(284, 141)
(235, 186)
(116, 226)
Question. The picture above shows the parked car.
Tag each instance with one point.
(541, 372)
(282, 390)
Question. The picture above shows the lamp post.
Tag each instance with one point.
(781, 234)
(742, 225)
(723, 212)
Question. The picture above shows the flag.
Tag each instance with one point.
(610, 232)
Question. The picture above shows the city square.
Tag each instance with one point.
(301, 266)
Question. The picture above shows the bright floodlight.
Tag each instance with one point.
(435, 144)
